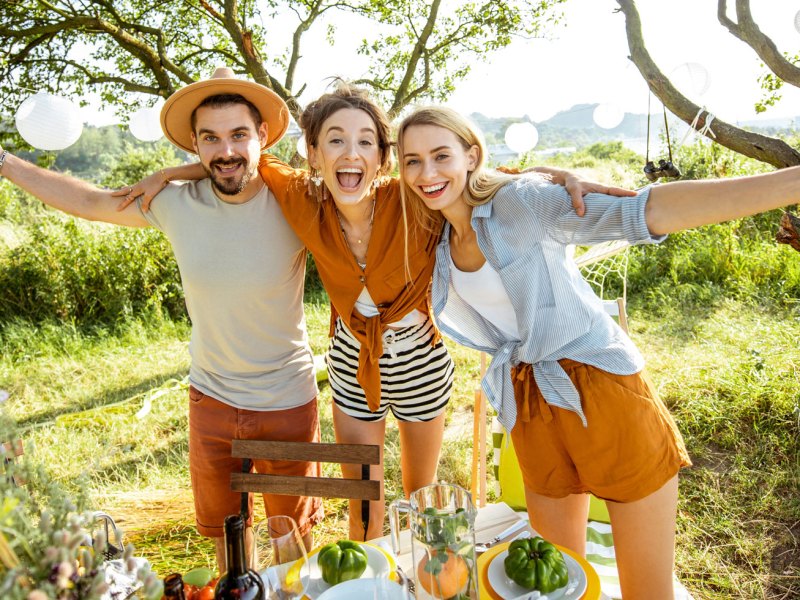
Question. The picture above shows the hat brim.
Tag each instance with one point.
(176, 114)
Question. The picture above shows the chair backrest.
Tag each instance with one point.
(325, 487)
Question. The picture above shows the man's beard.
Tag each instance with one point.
(226, 185)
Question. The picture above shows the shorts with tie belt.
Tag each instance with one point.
(629, 449)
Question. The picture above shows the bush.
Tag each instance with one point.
(88, 272)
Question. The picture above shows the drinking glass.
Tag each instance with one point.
(280, 557)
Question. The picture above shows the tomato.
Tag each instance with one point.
(204, 593)
(189, 591)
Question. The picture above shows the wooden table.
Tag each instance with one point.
(489, 522)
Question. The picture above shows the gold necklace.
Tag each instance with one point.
(369, 227)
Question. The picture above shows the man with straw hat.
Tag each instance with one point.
(242, 269)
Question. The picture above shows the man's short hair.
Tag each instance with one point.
(223, 100)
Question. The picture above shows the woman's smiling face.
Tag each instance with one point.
(436, 165)
(348, 155)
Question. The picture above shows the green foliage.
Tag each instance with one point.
(429, 49)
(47, 546)
(138, 163)
(771, 85)
(85, 272)
(418, 48)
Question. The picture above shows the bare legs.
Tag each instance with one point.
(644, 540)
(560, 520)
(644, 535)
(350, 430)
(420, 444)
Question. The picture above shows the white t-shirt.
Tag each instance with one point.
(242, 269)
(484, 291)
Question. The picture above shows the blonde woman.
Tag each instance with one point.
(566, 381)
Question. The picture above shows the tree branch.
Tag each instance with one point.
(400, 99)
(763, 148)
(748, 31)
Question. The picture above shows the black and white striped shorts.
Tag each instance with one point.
(416, 376)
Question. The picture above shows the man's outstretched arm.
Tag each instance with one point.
(69, 194)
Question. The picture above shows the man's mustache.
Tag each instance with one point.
(228, 162)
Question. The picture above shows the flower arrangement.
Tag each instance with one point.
(48, 549)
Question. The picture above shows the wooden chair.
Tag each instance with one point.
(363, 489)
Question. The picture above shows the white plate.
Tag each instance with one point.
(363, 589)
(506, 588)
(379, 564)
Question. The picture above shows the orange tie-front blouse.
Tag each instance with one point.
(318, 227)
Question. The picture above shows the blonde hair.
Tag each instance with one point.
(481, 185)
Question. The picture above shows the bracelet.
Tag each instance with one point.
(3, 160)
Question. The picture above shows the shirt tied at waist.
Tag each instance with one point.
(554, 384)
(369, 370)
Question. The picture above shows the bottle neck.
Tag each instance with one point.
(234, 549)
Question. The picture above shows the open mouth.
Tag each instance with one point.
(349, 178)
(435, 190)
(226, 169)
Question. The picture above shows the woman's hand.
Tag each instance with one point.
(577, 188)
(148, 188)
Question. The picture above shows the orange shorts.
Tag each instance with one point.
(212, 426)
(629, 450)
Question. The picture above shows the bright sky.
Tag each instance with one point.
(586, 61)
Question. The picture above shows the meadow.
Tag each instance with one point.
(94, 356)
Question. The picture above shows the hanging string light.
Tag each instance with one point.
(49, 122)
(145, 123)
(607, 115)
(302, 148)
(521, 137)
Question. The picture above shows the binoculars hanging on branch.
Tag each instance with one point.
(665, 168)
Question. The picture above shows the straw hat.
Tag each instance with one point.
(176, 114)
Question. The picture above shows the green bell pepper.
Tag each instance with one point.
(341, 561)
(536, 564)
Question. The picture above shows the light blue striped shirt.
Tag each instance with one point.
(523, 233)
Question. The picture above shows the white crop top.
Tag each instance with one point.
(366, 306)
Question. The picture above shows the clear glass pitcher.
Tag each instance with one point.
(442, 522)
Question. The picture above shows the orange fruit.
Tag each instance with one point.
(449, 581)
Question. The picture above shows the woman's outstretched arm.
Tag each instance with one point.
(149, 187)
(686, 204)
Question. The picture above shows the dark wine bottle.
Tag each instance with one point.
(173, 587)
(239, 583)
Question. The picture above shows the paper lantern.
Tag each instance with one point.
(691, 77)
(521, 137)
(797, 21)
(607, 115)
(302, 149)
(145, 124)
(49, 122)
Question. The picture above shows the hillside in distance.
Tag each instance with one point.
(575, 128)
